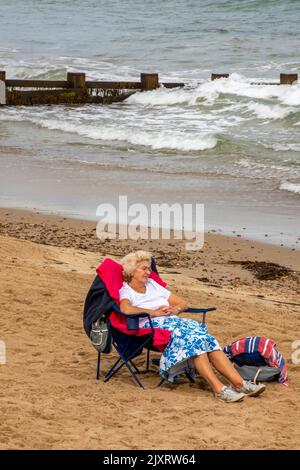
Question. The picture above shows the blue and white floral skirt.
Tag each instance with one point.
(189, 338)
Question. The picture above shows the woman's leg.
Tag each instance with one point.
(221, 362)
(204, 368)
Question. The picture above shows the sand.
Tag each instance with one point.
(49, 397)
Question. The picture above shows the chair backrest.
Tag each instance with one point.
(104, 293)
(111, 272)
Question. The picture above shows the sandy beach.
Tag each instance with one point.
(49, 397)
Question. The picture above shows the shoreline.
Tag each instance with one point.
(223, 260)
(254, 211)
(231, 234)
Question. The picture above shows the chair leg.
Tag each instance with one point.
(160, 383)
(189, 377)
(134, 366)
(126, 361)
(113, 367)
(148, 360)
(114, 371)
(133, 375)
(98, 365)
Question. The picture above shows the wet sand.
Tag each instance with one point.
(232, 206)
(49, 396)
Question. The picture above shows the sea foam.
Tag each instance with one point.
(292, 187)
(263, 111)
(157, 140)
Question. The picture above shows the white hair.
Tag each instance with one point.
(130, 261)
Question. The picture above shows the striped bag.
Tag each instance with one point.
(259, 352)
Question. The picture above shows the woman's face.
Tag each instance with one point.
(142, 271)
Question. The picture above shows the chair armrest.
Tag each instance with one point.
(132, 320)
(201, 310)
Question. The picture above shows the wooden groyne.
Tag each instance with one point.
(284, 79)
(77, 90)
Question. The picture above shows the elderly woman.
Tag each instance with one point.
(190, 340)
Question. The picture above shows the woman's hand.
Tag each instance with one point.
(167, 311)
(174, 310)
(177, 304)
(161, 312)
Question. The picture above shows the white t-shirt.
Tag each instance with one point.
(155, 296)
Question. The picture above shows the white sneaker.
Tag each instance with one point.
(229, 395)
(251, 389)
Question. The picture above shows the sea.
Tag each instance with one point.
(231, 144)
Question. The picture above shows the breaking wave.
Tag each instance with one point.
(291, 187)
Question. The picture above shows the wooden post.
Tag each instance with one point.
(2, 88)
(288, 78)
(216, 76)
(149, 81)
(76, 80)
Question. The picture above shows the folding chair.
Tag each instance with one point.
(129, 343)
(129, 347)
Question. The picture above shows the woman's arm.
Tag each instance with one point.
(177, 304)
(127, 307)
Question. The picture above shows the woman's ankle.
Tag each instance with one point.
(238, 384)
(217, 388)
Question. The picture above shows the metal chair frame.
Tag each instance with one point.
(126, 354)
